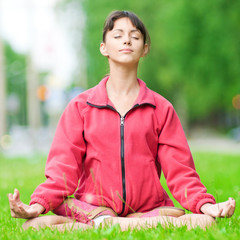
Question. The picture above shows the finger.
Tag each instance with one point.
(11, 202)
(231, 212)
(11, 206)
(10, 196)
(219, 213)
(16, 195)
(14, 207)
(232, 202)
(226, 211)
(232, 209)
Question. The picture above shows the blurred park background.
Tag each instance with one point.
(49, 53)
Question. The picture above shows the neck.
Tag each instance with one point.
(122, 80)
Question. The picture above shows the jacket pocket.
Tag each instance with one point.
(92, 181)
(157, 184)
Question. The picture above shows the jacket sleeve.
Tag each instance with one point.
(177, 164)
(64, 163)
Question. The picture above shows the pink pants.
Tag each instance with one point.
(85, 212)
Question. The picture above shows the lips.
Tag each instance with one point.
(126, 50)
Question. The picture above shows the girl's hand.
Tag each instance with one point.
(224, 209)
(21, 210)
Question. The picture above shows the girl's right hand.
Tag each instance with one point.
(21, 210)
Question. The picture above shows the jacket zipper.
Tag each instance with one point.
(122, 157)
(122, 162)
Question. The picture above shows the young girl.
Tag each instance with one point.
(110, 146)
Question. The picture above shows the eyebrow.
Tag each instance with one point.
(121, 30)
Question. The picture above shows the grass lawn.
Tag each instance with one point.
(220, 174)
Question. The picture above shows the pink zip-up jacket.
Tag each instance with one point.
(105, 159)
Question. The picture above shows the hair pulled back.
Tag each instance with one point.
(115, 15)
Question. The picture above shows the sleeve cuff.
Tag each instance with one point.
(203, 201)
(41, 201)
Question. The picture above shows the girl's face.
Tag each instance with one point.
(124, 43)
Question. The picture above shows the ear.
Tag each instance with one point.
(145, 50)
(103, 49)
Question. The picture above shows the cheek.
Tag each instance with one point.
(141, 50)
(112, 47)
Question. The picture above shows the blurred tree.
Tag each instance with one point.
(16, 86)
(23, 80)
(195, 57)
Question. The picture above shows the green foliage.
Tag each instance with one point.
(204, 55)
(195, 55)
(26, 174)
(16, 84)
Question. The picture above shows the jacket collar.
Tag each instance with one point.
(100, 98)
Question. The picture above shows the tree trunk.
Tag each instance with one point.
(33, 104)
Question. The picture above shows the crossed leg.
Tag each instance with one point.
(189, 220)
(64, 223)
(54, 222)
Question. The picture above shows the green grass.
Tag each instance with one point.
(220, 174)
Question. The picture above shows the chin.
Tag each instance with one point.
(127, 61)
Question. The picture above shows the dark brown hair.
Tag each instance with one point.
(115, 15)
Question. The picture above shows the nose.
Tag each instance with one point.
(127, 40)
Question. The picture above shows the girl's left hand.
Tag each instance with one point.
(223, 209)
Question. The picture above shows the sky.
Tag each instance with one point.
(33, 27)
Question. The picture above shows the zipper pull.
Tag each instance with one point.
(122, 121)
